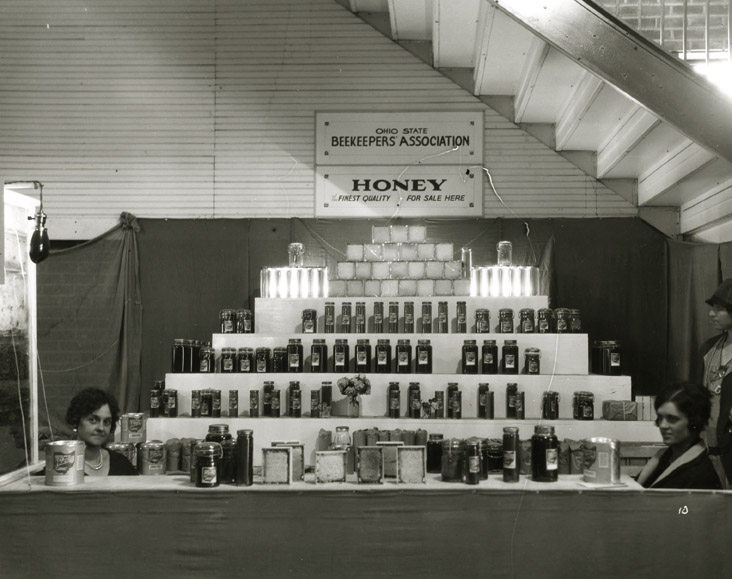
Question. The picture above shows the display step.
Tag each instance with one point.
(306, 430)
(376, 403)
(560, 353)
(284, 316)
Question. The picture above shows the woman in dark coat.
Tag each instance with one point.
(715, 373)
(682, 413)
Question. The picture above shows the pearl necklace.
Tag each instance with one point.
(99, 465)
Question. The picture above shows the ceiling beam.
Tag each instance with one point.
(630, 131)
(636, 66)
(486, 20)
(677, 165)
(584, 94)
(535, 57)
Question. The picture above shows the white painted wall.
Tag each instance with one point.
(205, 109)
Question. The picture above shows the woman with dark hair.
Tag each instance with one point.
(93, 414)
(682, 413)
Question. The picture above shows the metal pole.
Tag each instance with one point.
(683, 33)
(706, 32)
(662, 23)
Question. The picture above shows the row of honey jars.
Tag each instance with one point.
(546, 320)
(233, 321)
(488, 362)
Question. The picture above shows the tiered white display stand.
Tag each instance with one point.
(564, 369)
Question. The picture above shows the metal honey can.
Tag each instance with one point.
(152, 458)
(601, 460)
(65, 463)
(132, 427)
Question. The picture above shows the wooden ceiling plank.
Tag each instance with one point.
(630, 131)
(535, 58)
(670, 170)
(585, 93)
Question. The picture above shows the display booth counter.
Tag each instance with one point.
(163, 526)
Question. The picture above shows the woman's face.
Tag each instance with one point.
(673, 424)
(94, 428)
(720, 318)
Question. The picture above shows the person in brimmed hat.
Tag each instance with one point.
(716, 375)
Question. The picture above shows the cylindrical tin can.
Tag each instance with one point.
(127, 449)
(152, 458)
(601, 460)
(244, 458)
(132, 427)
(65, 463)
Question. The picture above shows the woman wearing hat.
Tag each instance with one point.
(716, 354)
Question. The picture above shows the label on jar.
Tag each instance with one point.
(339, 359)
(527, 326)
(346, 321)
(510, 361)
(244, 365)
(474, 464)
(247, 326)
(295, 403)
(228, 327)
(415, 404)
(315, 358)
(394, 402)
(204, 365)
(403, 359)
(509, 459)
(381, 358)
(275, 402)
(506, 326)
(171, 401)
(423, 358)
(208, 474)
(227, 364)
(483, 326)
(533, 366)
(294, 360)
(512, 401)
(360, 356)
(488, 358)
(307, 327)
(470, 358)
(561, 325)
(154, 401)
(552, 459)
(543, 326)
(614, 359)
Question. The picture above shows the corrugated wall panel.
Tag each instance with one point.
(205, 108)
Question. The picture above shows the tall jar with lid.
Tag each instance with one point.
(526, 321)
(544, 454)
(532, 361)
(244, 457)
(228, 360)
(243, 321)
(341, 355)
(470, 357)
(424, 357)
(561, 321)
(473, 461)
(505, 316)
(294, 355)
(362, 357)
(206, 467)
(452, 460)
(403, 357)
(279, 359)
(509, 359)
(220, 433)
(545, 321)
(227, 321)
(319, 356)
(245, 360)
(207, 360)
(434, 453)
(382, 362)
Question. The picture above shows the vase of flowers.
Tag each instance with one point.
(353, 389)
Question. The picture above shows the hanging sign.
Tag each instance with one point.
(387, 191)
(399, 164)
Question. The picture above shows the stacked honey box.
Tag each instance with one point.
(400, 262)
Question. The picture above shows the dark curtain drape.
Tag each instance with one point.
(90, 322)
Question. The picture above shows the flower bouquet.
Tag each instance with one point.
(352, 388)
